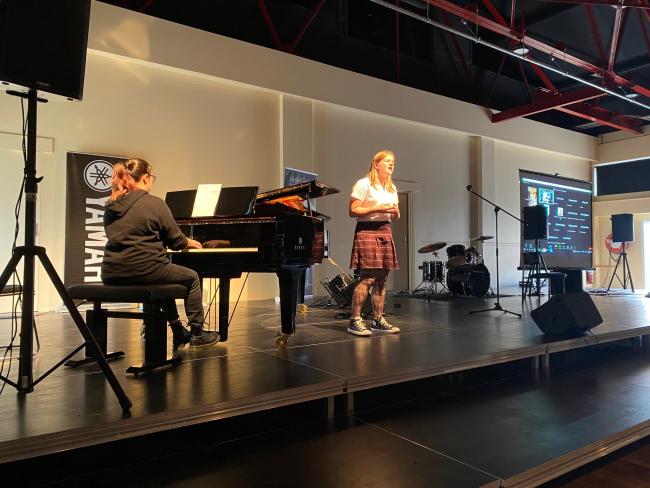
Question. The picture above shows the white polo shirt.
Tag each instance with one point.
(373, 196)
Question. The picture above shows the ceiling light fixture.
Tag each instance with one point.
(521, 49)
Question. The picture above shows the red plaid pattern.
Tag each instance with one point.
(373, 247)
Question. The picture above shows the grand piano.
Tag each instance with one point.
(283, 236)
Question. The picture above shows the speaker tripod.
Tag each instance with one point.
(536, 271)
(28, 253)
(627, 274)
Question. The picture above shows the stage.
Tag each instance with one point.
(525, 426)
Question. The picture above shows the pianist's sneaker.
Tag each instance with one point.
(203, 338)
(180, 335)
(358, 327)
(381, 325)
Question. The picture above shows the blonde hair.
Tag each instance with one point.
(372, 172)
(126, 175)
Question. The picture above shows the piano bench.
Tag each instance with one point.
(152, 298)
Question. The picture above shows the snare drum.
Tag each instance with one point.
(432, 271)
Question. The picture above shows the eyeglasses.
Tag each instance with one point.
(153, 178)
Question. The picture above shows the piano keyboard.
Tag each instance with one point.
(220, 250)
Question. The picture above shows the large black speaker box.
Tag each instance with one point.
(43, 44)
(623, 228)
(535, 223)
(341, 288)
(567, 315)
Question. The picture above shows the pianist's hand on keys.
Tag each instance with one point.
(192, 244)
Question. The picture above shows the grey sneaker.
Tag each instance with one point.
(206, 338)
(358, 327)
(380, 325)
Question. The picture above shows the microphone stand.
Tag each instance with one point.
(497, 209)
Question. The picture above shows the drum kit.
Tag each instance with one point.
(462, 274)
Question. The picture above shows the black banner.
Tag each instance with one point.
(88, 186)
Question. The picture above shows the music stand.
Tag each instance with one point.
(30, 251)
(497, 306)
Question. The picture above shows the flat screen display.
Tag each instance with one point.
(569, 215)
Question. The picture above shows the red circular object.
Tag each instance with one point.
(615, 247)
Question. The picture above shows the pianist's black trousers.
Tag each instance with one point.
(173, 274)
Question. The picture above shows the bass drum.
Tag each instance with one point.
(469, 280)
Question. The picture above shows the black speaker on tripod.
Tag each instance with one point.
(623, 227)
(570, 314)
(623, 232)
(43, 45)
(535, 223)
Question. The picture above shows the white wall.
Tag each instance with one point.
(191, 129)
(621, 147)
(439, 160)
(205, 108)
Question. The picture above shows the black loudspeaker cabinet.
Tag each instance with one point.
(341, 288)
(623, 227)
(43, 44)
(535, 223)
(570, 314)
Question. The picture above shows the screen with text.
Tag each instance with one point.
(568, 210)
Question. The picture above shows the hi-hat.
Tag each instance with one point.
(481, 238)
(433, 247)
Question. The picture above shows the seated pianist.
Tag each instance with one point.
(139, 227)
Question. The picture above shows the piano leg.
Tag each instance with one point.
(289, 287)
(224, 297)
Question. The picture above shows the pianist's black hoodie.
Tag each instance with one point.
(139, 227)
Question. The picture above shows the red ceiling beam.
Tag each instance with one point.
(615, 3)
(596, 33)
(548, 103)
(509, 33)
(646, 11)
(616, 34)
(603, 117)
(457, 48)
(291, 47)
(545, 79)
(580, 109)
(525, 79)
(269, 22)
(305, 26)
(494, 12)
(644, 31)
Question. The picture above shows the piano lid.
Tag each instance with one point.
(308, 189)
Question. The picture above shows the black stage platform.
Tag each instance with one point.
(513, 432)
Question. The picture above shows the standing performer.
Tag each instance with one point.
(374, 203)
(139, 227)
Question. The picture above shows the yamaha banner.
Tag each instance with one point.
(88, 184)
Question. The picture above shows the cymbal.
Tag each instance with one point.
(481, 238)
(433, 247)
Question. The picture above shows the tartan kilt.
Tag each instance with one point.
(373, 247)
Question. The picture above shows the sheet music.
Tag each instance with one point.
(207, 196)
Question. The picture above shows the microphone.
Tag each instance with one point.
(468, 187)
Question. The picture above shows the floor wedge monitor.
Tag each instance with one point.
(567, 314)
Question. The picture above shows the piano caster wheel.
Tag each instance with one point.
(281, 340)
(302, 308)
